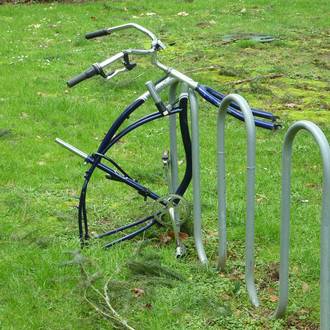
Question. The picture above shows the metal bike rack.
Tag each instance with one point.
(250, 190)
(184, 90)
(238, 108)
(250, 185)
(196, 177)
(325, 220)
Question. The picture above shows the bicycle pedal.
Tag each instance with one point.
(180, 251)
(166, 156)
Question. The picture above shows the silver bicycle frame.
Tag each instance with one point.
(172, 83)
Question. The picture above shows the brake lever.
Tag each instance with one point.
(128, 65)
(114, 73)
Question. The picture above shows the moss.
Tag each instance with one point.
(317, 117)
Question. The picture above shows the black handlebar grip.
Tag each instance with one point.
(95, 34)
(90, 72)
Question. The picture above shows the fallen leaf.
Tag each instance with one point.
(138, 292)
(67, 92)
(54, 27)
(303, 311)
(236, 276)
(151, 14)
(41, 94)
(293, 320)
(202, 25)
(23, 115)
(273, 298)
(183, 13)
(182, 236)
(93, 17)
(290, 105)
(269, 290)
(164, 238)
(306, 287)
(35, 25)
(261, 198)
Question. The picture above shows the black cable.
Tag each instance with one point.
(113, 163)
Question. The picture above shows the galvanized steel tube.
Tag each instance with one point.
(250, 190)
(196, 177)
(325, 220)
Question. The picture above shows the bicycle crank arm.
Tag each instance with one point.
(180, 250)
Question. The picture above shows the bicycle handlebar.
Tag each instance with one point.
(154, 45)
(96, 34)
(97, 68)
(90, 72)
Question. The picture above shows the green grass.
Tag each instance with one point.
(42, 47)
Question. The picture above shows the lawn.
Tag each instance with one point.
(46, 280)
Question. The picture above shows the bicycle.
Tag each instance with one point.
(170, 209)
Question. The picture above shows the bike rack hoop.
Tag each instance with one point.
(250, 189)
(325, 220)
